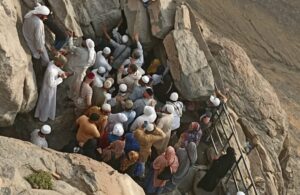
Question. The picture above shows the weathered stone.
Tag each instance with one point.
(93, 14)
(138, 20)
(162, 16)
(79, 174)
(17, 79)
(188, 65)
(182, 18)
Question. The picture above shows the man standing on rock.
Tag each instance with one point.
(34, 34)
(46, 106)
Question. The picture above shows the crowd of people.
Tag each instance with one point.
(119, 121)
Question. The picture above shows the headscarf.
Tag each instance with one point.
(116, 148)
(40, 9)
(131, 144)
(172, 160)
(92, 53)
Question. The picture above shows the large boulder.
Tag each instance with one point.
(17, 80)
(162, 16)
(189, 68)
(75, 174)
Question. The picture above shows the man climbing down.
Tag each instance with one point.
(46, 106)
(34, 32)
(38, 136)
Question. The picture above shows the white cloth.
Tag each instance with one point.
(46, 106)
(139, 121)
(78, 63)
(102, 61)
(92, 53)
(37, 140)
(34, 34)
(99, 80)
(40, 9)
(178, 108)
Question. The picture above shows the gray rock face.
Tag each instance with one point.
(188, 65)
(93, 14)
(162, 16)
(77, 174)
(17, 79)
(138, 20)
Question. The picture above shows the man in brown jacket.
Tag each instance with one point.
(87, 128)
(146, 137)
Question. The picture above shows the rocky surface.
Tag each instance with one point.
(188, 65)
(268, 32)
(77, 174)
(162, 16)
(17, 79)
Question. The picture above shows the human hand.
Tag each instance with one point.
(136, 36)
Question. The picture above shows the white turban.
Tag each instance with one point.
(40, 9)
(92, 53)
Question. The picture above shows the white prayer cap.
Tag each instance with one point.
(46, 129)
(145, 79)
(169, 108)
(149, 127)
(40, 9)
(122, 117)
(240, 193)
(106, 107)
(148, 110)
(107, 84)
(106, 50)
(174, 96)
(101, 70)
(108, 96)
(123, 87)
(125, 38)
(118, 129)
(214, 100)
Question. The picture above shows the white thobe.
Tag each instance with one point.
(38, 140)
(78, 63)
(34, 34)
(102, 61)
(46, 106)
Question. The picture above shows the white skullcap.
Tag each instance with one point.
(118, 129)
(240, 193)
(125, 38)
(145, 79)
(169, 108)
(123, 87)
(101, 70)
(148, 110)
(122, 117)
(174, 96)
(107, 84)
(108, 96)
(214, 100)
(106, 50)
(149, 127)
(106, 107)
(46, 129)
(40, 9)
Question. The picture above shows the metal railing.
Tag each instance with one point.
(224, 138)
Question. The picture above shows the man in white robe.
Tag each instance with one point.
(46, 106)
(79, 60)
(34, 34)
(38, 136)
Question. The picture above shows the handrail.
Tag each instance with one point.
(217, 119)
